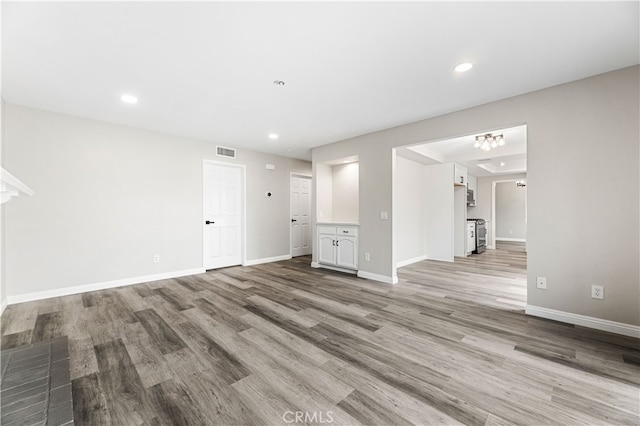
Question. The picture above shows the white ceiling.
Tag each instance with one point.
(507, 159)
(206, 69)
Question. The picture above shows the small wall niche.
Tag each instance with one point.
(338, 190)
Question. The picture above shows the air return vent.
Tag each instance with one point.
(225, 152)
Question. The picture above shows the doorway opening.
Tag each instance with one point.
(444, 200)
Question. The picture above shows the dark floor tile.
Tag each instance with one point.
(22, 392)
(35, 413)
(27, 387)
(60, 374)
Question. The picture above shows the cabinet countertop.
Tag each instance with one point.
(337, 223)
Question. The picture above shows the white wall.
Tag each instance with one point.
(345, 181)
(440, 213)
(585, 133)
(109, 197)
(510, 211)
(410, 198)
(323, 192)
(3, 282)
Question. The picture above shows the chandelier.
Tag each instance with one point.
(489, 141)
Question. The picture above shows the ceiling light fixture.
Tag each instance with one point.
(488, 141)
(463, 67)
(129, 99)
(278, 82)
(273, 136)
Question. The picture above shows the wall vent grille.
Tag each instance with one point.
(225, 152)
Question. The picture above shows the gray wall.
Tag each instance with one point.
(108, 197)
(510, 211)
(586, 132)
(410, 198)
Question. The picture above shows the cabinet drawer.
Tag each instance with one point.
(347, 230)
(322, 229)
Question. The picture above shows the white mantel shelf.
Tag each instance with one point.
(11, 186)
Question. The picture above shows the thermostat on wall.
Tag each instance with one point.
(270, 166)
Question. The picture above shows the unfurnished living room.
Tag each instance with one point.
(349, 213)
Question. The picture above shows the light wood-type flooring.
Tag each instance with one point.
(283, 343)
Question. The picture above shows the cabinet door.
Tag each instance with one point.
(326, 249)
(347, 252)
(460, 175)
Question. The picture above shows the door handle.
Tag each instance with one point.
(209, 222)
(294, 220)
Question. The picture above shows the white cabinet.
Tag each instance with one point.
(338, 246)
(472, 183)
(460, 175)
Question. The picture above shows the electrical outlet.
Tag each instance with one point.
(597, 292)
(156, 258)
(367, 257)
(541, 283)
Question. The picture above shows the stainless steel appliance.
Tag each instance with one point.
(471, 201)
(481, 235)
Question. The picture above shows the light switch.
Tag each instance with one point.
(384, 215)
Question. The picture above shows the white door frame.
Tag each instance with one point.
(310, 177)
(493, 208)
(243, 207)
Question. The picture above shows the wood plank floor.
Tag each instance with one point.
(283, 343)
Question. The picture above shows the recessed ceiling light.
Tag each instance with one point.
(273, 136)
(129, 99)
(463, 67)
(502, 164)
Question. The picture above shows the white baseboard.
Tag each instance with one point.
(402, 263)
(334, 268)
(439, 260)
(46, 294)
(3, 305)
(266, 260)
(514, 240)
(378, 277)
(585, 321)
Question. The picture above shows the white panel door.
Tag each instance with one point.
(300, 216)
(222, 204)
